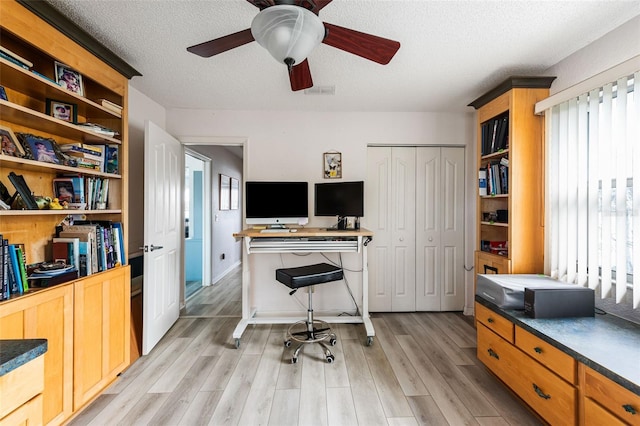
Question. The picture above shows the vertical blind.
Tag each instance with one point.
(593, 189)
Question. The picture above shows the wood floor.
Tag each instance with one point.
(421, 369)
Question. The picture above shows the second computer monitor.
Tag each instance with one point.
(340, 199)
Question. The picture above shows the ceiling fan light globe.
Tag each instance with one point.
(288, 32)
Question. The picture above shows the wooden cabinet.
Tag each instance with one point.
(539, 381)
(510, 218)
(604, 399)
(21, 391)
(47, 314)
(101, 332)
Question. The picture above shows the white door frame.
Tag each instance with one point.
(188, 141)
(206, 215)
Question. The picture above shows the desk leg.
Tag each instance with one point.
(368, 325)
(246, 303)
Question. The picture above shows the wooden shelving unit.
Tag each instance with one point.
(86, 321)
(522, 232)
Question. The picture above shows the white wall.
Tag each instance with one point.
(613, 48)
(289, 146)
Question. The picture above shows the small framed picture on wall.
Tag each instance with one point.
(225, 192)
(332, 165)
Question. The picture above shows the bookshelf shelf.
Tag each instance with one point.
(517, 170)
(64, 212)
(42, 167)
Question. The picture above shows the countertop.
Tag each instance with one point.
(608, 344)
(15, 353)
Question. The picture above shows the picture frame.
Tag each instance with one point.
(62, 110)
(10, 144)
(332, 165)
(63, 190)
(225, 192)
(68, 78)
(3, 94)
(235, 193)
(42, 149)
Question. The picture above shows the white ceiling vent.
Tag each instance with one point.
(320, 90)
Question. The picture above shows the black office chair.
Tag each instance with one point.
(309, 330)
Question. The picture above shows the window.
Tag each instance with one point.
(593, 190)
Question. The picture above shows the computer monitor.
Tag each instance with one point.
(276, 203)
(340, 199)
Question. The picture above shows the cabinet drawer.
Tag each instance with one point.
(487, 263)
(595, 415)
(552, 358)
(620, 401)
(550, 396)
(494, 322)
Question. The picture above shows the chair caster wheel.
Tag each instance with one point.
(333, 342)
(287, 343)
(330, 359)
(237, 342)
(294, 360)
(369, 340)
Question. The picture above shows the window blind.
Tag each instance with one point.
(593, 189)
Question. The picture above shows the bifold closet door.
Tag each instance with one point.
(440, 229)
(390, 214)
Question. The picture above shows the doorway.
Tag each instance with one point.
(194, 237)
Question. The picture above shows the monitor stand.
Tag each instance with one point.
(342, 223)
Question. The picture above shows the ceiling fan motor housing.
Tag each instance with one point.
(288, 32)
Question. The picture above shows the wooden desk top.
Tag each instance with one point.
(306, 232)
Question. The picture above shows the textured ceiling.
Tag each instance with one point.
(451, 51)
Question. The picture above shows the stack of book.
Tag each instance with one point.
(100, 245)
(13, 270)
(113, 107)
(90, 192)
(97, 157)
(14, 58)
(493, 179)
(101, 130)
(495, 135)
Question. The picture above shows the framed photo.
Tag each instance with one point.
(63, 190)
(235, 192)
(3, 94)
(332, 165)
(68, 78)
(225, 192)
(62, 110)
(42, 149)
(10, 144)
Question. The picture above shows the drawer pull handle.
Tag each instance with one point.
(493, 353)
(540, 393)
(490, 320)
(538, 350)
(629, 409)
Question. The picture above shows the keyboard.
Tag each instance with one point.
(273, 230)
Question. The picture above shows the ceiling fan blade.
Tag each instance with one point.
(319, 5)
(222, 44)
(262, 4)
(313, 5)
(374, 48)
(300, 76)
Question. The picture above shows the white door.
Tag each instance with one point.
(390, 215)
(440, 229)
(415, 207)
(162, 234)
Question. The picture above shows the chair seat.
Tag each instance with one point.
(304, 276)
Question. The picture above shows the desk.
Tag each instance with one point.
(305, 240)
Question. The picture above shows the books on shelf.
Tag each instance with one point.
(101, 130)
(103, 246)
(497, 178)
(482, 182)
(495, 135)
(89, 190)
(111, 106)
(13, 275)
(14, 58)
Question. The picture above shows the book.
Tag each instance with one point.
(96, 128)
(111, 106)
(87, 247)
(24, 191)
(67, 250)
(15, 278)
(13, 60)
(111, 159)
(482, 182)
(16, 56)
(4, 288)
(22, 265)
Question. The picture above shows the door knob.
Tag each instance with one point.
(152, 248)
(401, 238)
(430, 239)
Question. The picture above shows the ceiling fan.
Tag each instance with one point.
(291, 29)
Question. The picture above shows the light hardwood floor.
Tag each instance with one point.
(421, 369)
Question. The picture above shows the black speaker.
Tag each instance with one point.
(559, 302)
